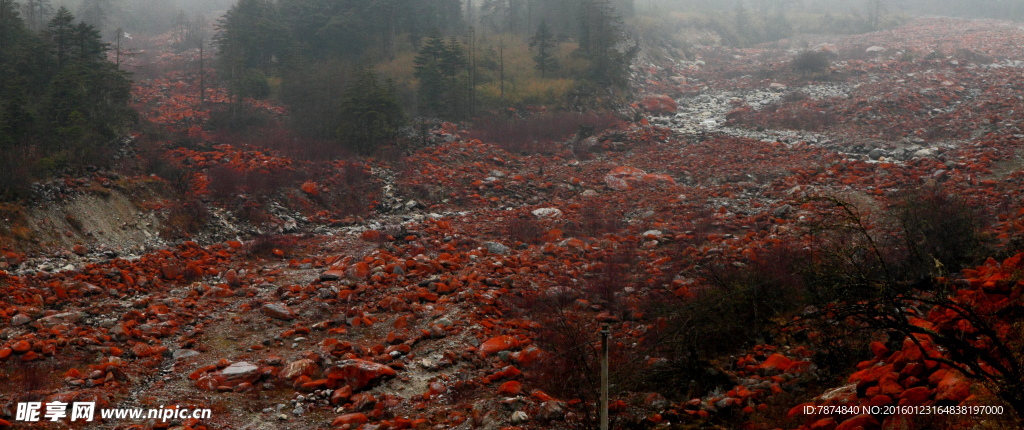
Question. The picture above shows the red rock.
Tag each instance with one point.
(911, 352)
(5, 352)
(363, 401)
(528, 356)
(881, 400)
(401, 322)
(889, 385)
(620, 177)
(244, 387)
(898, 422)
(866, 421)
(510, 388)
(659, 104)
(497, 344)
(937, 376)
(332, 275)
(277, 310)
(541, 396)
(654, 178)
(311, 385)
(297, 368)
(505, 373)
(870, 375)
(231, 277)
(953, 388)
(915, 396)
(21, 346)
(627, 172)
(142, 350)
(360, 270)
(310, 188)
(913, 369)
(359, 373)
(207, 383)
(776, 363)
(800, 366)
(824, 424)
(170, 272)
(616, 184)
(356, 418)
(879, 349)
(796, 410)
(341, 395)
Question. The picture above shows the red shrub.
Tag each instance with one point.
(268, 245)
(659, 104)
(526, 230)
(185, 218)
(594, 222)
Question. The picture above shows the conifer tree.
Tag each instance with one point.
(600, 35)
(60, 33)
(371, 114)
(442, 70)
(544, 43)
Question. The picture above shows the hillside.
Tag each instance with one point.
(745, 230)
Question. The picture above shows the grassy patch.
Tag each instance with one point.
(13, 225)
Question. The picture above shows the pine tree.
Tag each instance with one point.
(61, 102)
(600, 35)
(88, 45)
(371, 114)
(60, 35)
(432, 80)
(544, 43)
(442, 69)
(11, 28)
(252, 42)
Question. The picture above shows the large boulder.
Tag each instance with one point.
(359, 374)
(297, 368)
(497, 344)
(659, 104)
(278, 311)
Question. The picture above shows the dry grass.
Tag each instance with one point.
(523, 83)
(13, 225)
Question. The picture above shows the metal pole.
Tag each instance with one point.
(604, 376)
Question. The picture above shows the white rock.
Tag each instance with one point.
(652, 233)
(240, 369)
(547, 213)
(519, 417)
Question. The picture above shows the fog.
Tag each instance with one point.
(971, 9)
(156, 16)
(413, 214)
(138, 16)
